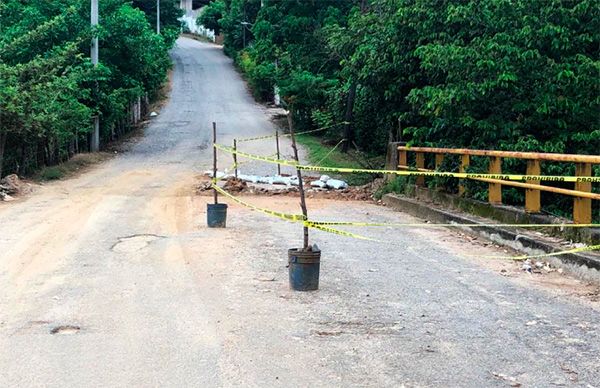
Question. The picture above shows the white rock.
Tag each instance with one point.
(220, 174)
(336, 184)
(153, 114)
(281, 180)
(265, 179)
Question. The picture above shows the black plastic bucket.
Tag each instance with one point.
(304, 269)
(216, 215)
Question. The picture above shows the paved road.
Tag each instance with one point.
(112, 280)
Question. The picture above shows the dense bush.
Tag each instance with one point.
(498, 74)
(48, 88)
(512, 74)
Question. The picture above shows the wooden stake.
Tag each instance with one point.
(278, 156)
(299, 173)
(235, 158)
(215, 194)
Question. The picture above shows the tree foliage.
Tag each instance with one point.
(509, 74)
(48, 88)
(211, 16)
(497, 74)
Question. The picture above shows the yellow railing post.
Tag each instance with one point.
(420, 159)
(532, 197)
(403, 159)
(582, 207)
(465, 160)
(495, 189)
(439, 159)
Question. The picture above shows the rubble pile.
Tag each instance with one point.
(324, 182)
(234, 185)
(348, 193)
(9, 186)
(539, 266)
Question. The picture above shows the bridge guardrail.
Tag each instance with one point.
(582, 192)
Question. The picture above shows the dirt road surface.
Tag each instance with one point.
(112, 279)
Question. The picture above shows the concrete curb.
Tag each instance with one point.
(523, 243)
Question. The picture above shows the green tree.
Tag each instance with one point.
(211, 16)
(48, 87)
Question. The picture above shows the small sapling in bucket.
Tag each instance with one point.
(304, 263)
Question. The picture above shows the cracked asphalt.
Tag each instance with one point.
(112, 279)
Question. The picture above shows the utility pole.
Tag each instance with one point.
(244, 33)
(244, 27)
(95, 141)
(158, 17)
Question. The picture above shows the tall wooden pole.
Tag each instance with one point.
(299, 173)
(215, 161)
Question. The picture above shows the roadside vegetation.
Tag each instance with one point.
(508, 75)
(49, 90)
(325, 153)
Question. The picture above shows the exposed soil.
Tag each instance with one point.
(232, 185)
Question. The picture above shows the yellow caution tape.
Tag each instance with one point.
(463, 175)
(331, 151)
(525, 257)
(318, 226)
(427, 225)
(255, 138)
(323, 227)
(255, 157)
(289, 134)
(290, 217)
(284, 216)
(338, 232)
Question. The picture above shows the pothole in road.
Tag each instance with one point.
(134, 243)
(65, 329)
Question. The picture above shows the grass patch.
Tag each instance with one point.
(322, 155)
(395, 185)
(51, 173)
(73, 166)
